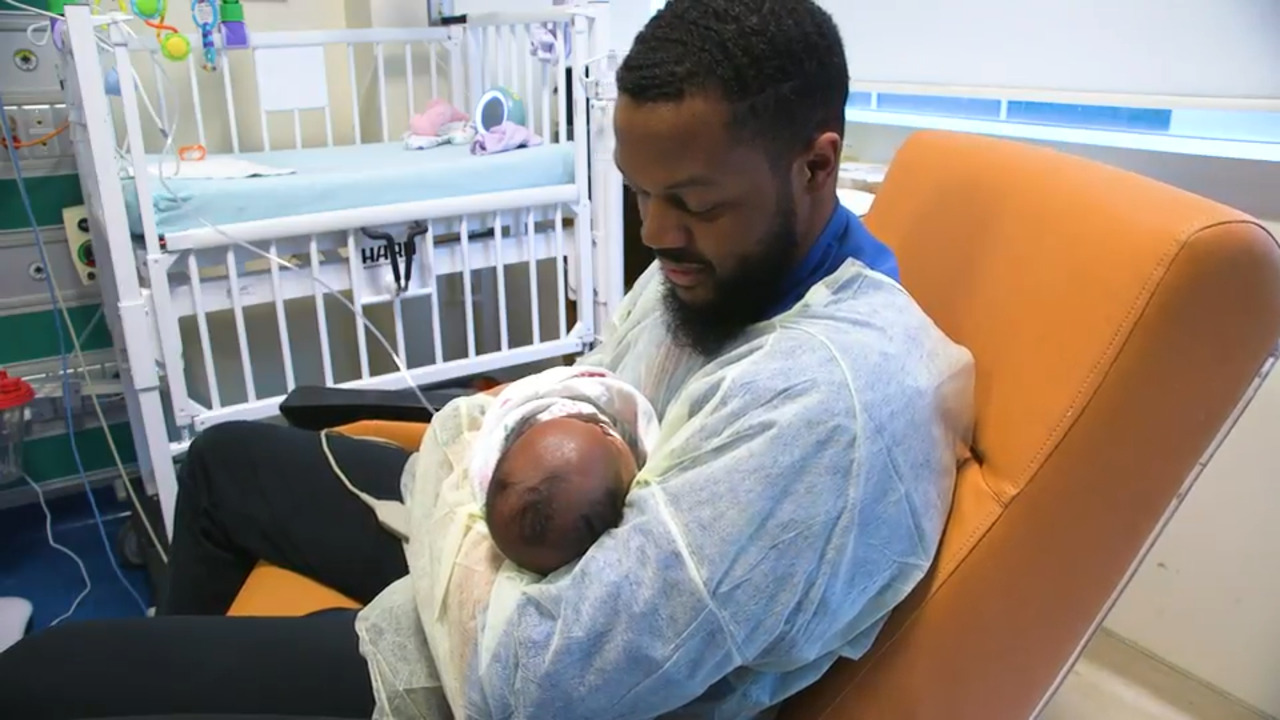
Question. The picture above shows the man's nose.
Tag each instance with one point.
(661, 229)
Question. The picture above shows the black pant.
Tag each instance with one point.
(247, 492)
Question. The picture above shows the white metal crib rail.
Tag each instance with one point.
(517, 315)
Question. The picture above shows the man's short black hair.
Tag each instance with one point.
(779, 64)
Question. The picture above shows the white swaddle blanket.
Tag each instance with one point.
(454, 567)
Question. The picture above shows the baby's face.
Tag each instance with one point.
(572, 468)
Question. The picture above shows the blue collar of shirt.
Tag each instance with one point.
(843, 238)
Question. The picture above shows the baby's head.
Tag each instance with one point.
(557, 488)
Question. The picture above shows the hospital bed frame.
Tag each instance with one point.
(152, 284)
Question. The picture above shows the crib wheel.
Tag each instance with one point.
(129, 546)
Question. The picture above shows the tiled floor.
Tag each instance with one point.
(1117, 682)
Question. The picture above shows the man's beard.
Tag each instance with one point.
(741, 297)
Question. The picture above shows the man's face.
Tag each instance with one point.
(716, 213)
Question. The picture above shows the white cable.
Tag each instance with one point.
(147, 103)
(102, 420)
(395, 357)
(79, 354)
(45, 25)
(48, 531)
(90, 390)
(391, 515)
(64, 360)
(97, 318)
(35, 10)
(77, 337)
(169, 132)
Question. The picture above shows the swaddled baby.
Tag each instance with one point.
(505, 489)
(554, 461)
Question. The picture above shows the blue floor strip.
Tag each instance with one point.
(31, 569)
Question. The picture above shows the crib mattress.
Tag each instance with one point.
(344, 178)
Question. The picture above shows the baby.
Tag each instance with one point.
(554, 461)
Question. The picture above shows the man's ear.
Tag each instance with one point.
(822, 163)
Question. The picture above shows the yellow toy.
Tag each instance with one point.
(173, 44)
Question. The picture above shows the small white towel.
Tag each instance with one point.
(213, 167)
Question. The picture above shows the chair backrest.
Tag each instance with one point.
(1116, 323)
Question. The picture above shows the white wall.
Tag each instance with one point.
(624, 18)
(618, 21)
(1207, 599)
(260, 17)
(1251, 186)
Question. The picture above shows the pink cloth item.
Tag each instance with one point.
(437, 114)
(545, 42)
(507, 136)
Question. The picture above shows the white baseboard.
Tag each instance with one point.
(1117, 680)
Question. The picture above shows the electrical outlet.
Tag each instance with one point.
(76, 221)
(46, 123)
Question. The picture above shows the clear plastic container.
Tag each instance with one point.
(15, 395)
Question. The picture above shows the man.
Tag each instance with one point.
(810, 418)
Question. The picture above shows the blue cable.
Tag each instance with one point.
(62, 353)
(207, 26)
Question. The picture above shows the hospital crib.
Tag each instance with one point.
(218, 291)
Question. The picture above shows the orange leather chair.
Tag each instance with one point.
(1117, 323)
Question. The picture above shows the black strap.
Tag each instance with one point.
(390, 240)
(416, 231)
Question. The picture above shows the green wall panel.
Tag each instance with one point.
(49, 458)
(38, 4)
(49, 194)
(31, 336)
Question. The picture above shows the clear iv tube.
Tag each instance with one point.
(382, 340)
(170, 134)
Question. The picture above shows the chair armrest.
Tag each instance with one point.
(318, 408)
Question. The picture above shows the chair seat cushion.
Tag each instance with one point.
(275, 592)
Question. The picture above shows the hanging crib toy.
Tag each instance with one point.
(173, 44)
(205, 15)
